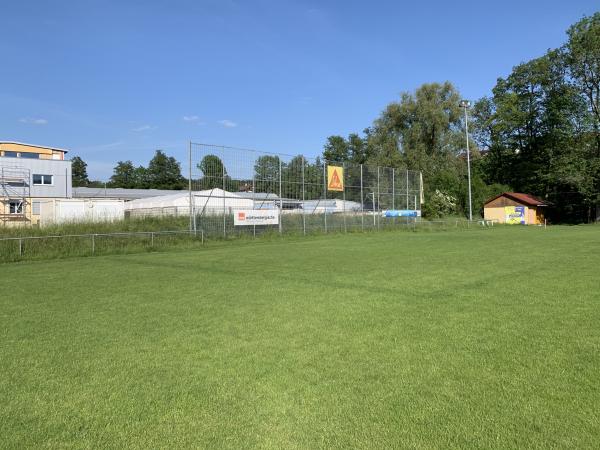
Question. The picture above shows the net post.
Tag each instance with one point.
(407, 189)
(325, 193)
(303, 199)
(393, 188)
(280, 200)
(190, 183)
(394, 193)
(362, 208)
(344, 195)
(378, 201)
(224, 206)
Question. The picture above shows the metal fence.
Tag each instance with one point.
(20, 248)
(93, 244)
(306, 195)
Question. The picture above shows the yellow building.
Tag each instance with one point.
(515, 208)
(30, 175)
(20, 150)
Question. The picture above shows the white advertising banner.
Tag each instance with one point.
(256, 217)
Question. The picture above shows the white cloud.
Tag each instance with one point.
(142, 128)
(193, 119)
(227, 123)
(33, 121)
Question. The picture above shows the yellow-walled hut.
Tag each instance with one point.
(515, 208)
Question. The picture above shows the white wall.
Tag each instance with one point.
(81, 210)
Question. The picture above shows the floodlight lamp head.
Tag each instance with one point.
(464, 104)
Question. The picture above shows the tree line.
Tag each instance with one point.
(163, 172)
(537, 132)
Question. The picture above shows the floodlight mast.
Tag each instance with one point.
(466, 104)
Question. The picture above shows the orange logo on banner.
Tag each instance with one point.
(335, 178)
(241, 216)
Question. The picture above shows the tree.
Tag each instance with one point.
(336, 149)
(357, 148)
(213, 171)
(314, 179)
(79, 172)
(164, 172)
(124, 175)
(423, 131)
(266, 174)
(292, 177)
(141, 178)
(583, 59)
(537, 131)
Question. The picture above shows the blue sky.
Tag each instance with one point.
(115, 80)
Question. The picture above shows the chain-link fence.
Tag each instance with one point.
(234, 191)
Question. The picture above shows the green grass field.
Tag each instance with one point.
(487, 338)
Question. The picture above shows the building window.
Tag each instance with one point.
(36, 208)
(39, 180)
(15, 206)
(10, 154)
(30, 155)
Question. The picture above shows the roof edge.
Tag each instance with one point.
(35, 145)
(514, 196)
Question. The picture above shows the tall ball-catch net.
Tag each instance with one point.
(234, 191)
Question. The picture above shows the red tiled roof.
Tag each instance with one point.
(526, 199)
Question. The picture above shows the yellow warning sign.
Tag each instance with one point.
(335, 178)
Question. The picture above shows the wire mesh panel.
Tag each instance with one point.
(235, 191)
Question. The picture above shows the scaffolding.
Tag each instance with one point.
(15, 191)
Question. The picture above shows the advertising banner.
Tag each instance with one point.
(256, 217)
(402, 213)
(335, 178)
(515, 215)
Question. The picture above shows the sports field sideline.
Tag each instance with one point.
(487, 338)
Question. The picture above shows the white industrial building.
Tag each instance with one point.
(215, 201)
(211, 201)
(330, 206)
